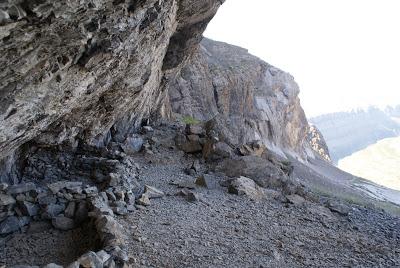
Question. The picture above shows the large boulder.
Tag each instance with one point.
(264, 172)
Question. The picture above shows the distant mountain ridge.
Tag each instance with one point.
(348, 132)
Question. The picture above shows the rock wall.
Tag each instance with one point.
(252, 99)
(78, 69)
(318, 143)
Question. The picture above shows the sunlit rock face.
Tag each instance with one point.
(253, 100)
(89, 70)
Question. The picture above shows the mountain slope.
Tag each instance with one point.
(379, 163)
(349, 132)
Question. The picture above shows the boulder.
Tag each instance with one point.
(217, 151)
(262, 171)
(246, 186)
(152, 192)
(144, 200)
(90, 260)
(109, 230)
(207, 181)
(295, 199)
(188, 195)
(253, 148)
(188, 146)
(338, 207)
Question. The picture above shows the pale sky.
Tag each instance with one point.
(343, 54)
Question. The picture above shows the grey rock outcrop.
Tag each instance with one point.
(246, 98)
(318, 143)
(89, 70)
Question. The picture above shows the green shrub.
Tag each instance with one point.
(188, 120)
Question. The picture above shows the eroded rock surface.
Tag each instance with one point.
(77, 68)
(247, 98)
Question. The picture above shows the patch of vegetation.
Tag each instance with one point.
(188, 120)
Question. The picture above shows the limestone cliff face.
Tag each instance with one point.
(255, 100)
(318, 143)
(89, 69)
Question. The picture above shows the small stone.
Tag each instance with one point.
(3, 186)
(295, 199)
(91, 191)
(100, 207)
(119, 208)
(196, 165)
(122, 211)
(103, 256)
(119, 194)
(28, 209)
(131, 207)
(338, 208)
(90, 260)
(20, 198)
(104, 196)
(52, 210)
(192, 197)
(13, 224)
(46, 199)
(206, 181)
(147, 129)
(21, 188)
(111, 196)
(119, 254)
(152, 192)
(184, 184)
(75, 264)
(79, 196)
(63, 223)
(52, 265)
(189, 195)
(144, 200)
(70, 210)
(130, 198)
(114, 179)
(58, 186)
(6, 200)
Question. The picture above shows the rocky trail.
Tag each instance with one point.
(185, 221)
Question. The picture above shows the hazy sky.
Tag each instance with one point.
(343, 53)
